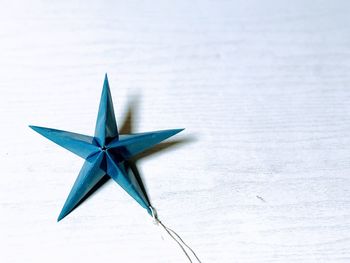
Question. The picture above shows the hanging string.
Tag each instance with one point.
(184, 243)
(174, 235)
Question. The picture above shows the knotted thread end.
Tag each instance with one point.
(154, 215)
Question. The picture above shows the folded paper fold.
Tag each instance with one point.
(106, 125)
(81, 145)
(89, 175)
(134, 144)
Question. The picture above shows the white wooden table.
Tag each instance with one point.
(262, 87)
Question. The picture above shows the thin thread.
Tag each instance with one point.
(170, 231)
(166, 229)
(184, 244)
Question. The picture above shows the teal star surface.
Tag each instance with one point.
(105, 154)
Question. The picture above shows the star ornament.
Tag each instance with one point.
(105, 153)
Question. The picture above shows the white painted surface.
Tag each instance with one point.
(262, 88)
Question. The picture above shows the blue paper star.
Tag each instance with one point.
(105, 153)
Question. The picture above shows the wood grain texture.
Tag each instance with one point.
(262, 88)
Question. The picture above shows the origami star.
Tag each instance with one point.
(105, 153)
